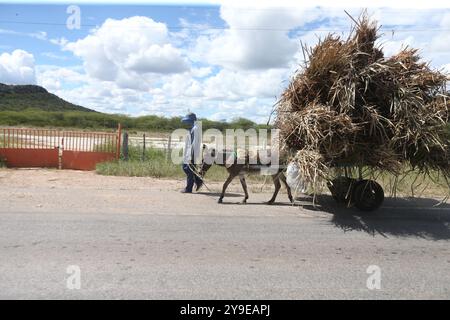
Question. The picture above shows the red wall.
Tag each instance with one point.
(28, 158)
(84, 160)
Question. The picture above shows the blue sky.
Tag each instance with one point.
(220, 61)
(29, 19)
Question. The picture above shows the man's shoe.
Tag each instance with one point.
(185, 191)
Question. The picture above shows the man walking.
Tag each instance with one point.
(191, 153)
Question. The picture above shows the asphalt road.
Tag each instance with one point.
(194, 248)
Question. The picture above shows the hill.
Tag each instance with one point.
(30, 105)
(22, 97)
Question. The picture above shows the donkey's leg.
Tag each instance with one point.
(283, 179)
(244, 186)
(276, 182)
(225, 185)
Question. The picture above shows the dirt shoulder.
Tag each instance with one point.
(47, 190)
(60, 191)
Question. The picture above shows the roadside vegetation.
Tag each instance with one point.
(414, 184)
(102, 121)
(155, 164)
(2, 161)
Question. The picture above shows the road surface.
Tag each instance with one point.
(129, 238)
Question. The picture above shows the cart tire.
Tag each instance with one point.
(367, 195)
(340, 188)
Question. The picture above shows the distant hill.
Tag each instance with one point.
(22, 97)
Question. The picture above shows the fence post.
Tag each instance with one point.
(143, 148)
(119, 133)
(60, 153)
(169, 147)
(125, 146)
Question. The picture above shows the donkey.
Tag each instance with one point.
(241, 169)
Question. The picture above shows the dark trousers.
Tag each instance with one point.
(191, 178)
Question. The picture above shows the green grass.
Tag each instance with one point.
(156, 165)
(160, 168)
(134, 168)
(2, 161)
(156, 168)
(414, 184)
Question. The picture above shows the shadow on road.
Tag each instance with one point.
(400, 217)
(217, 194)
(241, 195)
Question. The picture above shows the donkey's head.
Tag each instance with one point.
(208, 159)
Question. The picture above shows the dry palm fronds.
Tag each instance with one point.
(351, 106)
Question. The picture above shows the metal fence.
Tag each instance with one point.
(15, 138)
(29, 138)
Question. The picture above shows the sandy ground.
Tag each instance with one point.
(48, 190)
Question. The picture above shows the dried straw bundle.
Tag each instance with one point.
(351, 106)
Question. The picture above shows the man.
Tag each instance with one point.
(191, 152)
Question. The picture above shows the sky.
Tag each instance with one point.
(219, 59)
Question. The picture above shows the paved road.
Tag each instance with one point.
(194, 248)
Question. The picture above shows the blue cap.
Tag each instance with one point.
(189, 118)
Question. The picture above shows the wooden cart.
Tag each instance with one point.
(364, 194)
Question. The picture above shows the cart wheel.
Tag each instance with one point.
(367, 195)
(340, 188)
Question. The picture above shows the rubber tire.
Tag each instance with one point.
(339, 188)
(367, 195)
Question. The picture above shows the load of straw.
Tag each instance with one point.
(351, 106)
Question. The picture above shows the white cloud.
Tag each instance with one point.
(392, 47)
(441, 41)
(40, 35)
(201, 72)
(53, 78)
(157, 59)
(446, 68)
(234, 85)
(256, 109)
(53, 55)
(128, 50)
(17, 68)
(255, 39)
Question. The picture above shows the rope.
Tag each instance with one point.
(194, 171)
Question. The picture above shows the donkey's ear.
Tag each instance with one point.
(204, 146)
